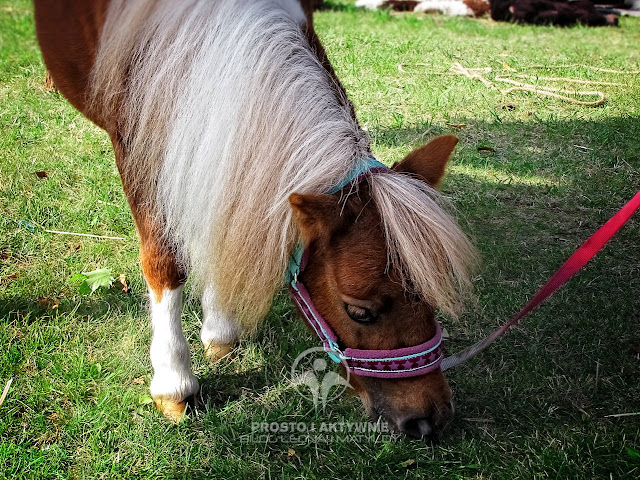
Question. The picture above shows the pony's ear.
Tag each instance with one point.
(429, 161)
(317, 215)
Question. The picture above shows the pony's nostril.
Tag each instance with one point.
(417, 427)
(429, 425)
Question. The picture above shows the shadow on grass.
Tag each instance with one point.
(217, 389)
(24, 309)
(606, 138)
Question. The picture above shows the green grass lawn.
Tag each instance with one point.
(538, 404)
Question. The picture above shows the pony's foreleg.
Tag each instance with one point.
(173, 382)
(220, 331)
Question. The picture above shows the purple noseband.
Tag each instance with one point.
(396, 363)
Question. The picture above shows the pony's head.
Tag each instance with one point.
(383, 256)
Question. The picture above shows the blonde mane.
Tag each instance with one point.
(226, 111)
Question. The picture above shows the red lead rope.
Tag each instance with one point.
(579, 259)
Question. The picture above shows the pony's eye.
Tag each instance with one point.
(360, 314)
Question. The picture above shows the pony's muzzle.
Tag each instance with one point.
(427, 425)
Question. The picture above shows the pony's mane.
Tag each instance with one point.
(225, 111)
(425, 245)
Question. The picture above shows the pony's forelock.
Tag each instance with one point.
(426, 247)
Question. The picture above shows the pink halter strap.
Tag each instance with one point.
(396, 363)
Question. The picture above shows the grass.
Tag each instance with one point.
(536, 405)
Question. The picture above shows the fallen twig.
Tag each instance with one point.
(104, 237)
(551, 92)
(5, 391)
(480, 420)
(618, 415)
(588, 67)
(478, 74)
(570, 80)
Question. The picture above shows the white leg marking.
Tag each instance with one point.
(217, 327)
(172, 376)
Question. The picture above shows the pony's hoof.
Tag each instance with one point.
(217, 351)
(174, 411)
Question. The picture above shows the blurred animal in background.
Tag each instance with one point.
(535, 12)
(551, 12)
(452, 8)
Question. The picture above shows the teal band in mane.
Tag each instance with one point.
(367, 165)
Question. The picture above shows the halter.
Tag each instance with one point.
(428, 356)
(395, 363)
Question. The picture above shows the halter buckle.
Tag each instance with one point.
(334, 351)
